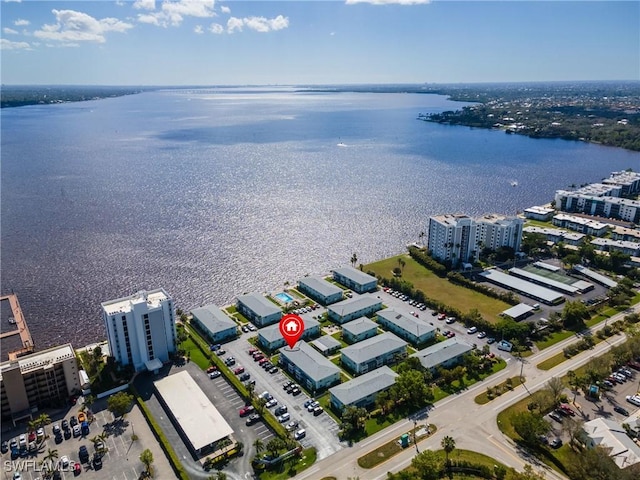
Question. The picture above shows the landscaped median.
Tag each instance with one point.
(492, 392)
(388, 450)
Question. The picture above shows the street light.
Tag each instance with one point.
(415, 423)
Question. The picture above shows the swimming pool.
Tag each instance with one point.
(284, 297)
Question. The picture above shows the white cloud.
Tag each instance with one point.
(225, 9)
(9, 45)
(75, 26)
(234, 24)
(259, 24)
(198, 29)
(216, 28)
(10, 31)
(21, 23)
(149, 18)
(144, 4)
(389, 2)
(12, 1)
(173, 12)
(332, 34)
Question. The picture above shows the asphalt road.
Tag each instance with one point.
(474, 427)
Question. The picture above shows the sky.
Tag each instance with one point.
(207, 42)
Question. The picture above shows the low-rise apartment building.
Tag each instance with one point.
(374, 352)
(362, 391)
(309, 367)
(323, 292)
(352, 308)
(413, 330)
(258, 309)
(359, 329)
(356, 280)
(214, 324)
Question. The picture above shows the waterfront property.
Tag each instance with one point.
(626, 234)
(539, 213)
(414, 331)
(629, 182)
(555, 235)
(351, 308)
(601, 206)
(359, 329)
(320, 290)
(523, 287)
(327, 345)
(356, 280)
(141, 328)
(193, 414)
(40, 380)
(271, 339)
(374, 352)
(580, 224)
(444, 354)
(215, 325)
(608, 245)
(362, 391)
(257, 309)
(309, 367)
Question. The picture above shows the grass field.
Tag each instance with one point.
(440, 289)
(483, 398)
(388, 450)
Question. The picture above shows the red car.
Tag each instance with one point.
(239, 370)
(567, 410)
(77, 469)
(257, 358)
(211, 368)
(253, 350)
(244, 411)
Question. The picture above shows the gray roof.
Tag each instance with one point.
(522, 285)
(373, 347)
(355, 304)
(272, 332)
(310, 361)
(439, 353)
(587, 272)
(547, 281)
(320, 285)
(355, 275)
(520, 309)
(259, 304)
(359, 325)
(326, 342)
(407, 323)
(213, 319)
(363, 386)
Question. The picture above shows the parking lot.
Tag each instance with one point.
(120, 459)
(321, 431)
(605, 407)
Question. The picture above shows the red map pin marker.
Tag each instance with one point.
(291, 328)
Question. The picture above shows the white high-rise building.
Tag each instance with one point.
(140, 328)
(495, 231)
(452, 237)
(460, 238)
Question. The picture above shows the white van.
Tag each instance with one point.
(300, 434)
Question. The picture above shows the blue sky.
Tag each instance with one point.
(206, 42)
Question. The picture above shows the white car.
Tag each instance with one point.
(215, 374)
(285, 417)
(634, 399)
(271, 403)
(300, 434)
(64, 461)
(472, 330)
(482, 334)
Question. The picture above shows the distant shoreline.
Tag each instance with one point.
(22, 96)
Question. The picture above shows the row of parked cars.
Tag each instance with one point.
(405, 298)
(308, 309)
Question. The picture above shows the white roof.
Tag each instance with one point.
(153, 298)
(522, 285)
(199, 419)
(610, 435)
(44, 359)
(587, 272)
(518, 310)
(541, 279)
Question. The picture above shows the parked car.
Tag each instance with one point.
(450, 320)
(313, 405)
(77, 469)
(556, 417)
(292, 425)
(284, 418)
(253, 350)
(300, 434)
(212, 368)
(40, 434)
(253, 419)
(220, 352)
(317, 411)
(286, 385)
(56, 429)
(5, 447)
(566, 409)
(555, 443)
(280, 410)
(245, 376)
(245, 328)
(621, 410)
(239, 370)
(607, 384)
(246, 410)
(482, 334)
(273, 370)
(215, 348)
(634, 400)
(97, 462)
(271, 403)
(491, 340)
(230, 361)
(73, 421)
(308, 402)
(214, 374)
(64, 461)
(296, 391)
(252, 327)
(265, 395)
(83, 453)
(472, 330)
(77, 431)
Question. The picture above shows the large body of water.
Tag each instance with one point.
(214, 193)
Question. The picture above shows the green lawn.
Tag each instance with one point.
(290, 468)
(231, 309)
(483, 398)
(456, 386)
(241, 317)
(551, 362)
(440, 289)
(338, 336)
(388, 450)
(464, 456)
(195, 353)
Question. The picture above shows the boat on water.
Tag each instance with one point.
(514, 183)
(341, 144)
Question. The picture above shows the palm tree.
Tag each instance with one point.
(33, 425)
(354, 260)
(49, 459)
(402, 263)
(420, 237)
(448, 445)
(259, 446)
(43, 419)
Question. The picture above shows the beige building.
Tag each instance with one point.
(39, 380)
